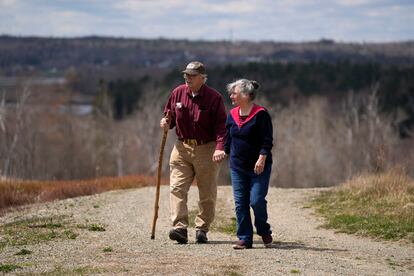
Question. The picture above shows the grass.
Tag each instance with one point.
(220, 224)
(227, 270)
(107, 249)
(96, 227)
(377, 205)
(226, 226)
(23, 252)
(40, 229)
(5, 268)
(33, 231)
(20, 192)
(92, 227)
(70, 234)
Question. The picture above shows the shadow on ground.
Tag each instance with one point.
(285, 246)
(302, 246)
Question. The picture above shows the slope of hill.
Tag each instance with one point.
(28, 53)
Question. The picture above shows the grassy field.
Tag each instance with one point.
(20, 192)
(376, 205)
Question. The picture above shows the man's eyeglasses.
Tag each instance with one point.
(188, 76)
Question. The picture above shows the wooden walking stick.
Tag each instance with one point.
(158, 184)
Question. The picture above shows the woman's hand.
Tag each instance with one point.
(260, 163)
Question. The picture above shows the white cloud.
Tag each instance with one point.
(148, 6)
(353, 2)
(72, 23)
(346, 20)
(7, 3)
(177, 7)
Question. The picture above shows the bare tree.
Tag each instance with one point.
(322, 143)
(15, 134)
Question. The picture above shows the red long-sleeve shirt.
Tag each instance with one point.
(202, 117)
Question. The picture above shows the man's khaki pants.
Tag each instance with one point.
(187, 162)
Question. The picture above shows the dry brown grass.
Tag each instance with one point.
(394, 185)
(19, 192)
(378, 205)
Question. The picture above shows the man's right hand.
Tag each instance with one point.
(166, 121)
(165, 124)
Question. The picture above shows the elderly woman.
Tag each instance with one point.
(249, 143)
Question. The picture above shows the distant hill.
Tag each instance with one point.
(22, 54)
(126, 69)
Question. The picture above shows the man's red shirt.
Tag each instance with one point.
(202, 117)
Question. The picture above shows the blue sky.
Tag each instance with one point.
(285, 20)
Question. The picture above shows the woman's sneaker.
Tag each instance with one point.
(242, 244)
(267, 240)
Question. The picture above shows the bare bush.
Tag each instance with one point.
(320, 143)
(145, 135)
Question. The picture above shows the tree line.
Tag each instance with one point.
(54, 55)
(322, 136)
(317, 142)
(283, 83)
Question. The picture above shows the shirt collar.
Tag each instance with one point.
(235, 114)
(200, 91)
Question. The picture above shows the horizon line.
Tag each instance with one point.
(320, 40)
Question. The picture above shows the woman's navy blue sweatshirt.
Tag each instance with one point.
(247, 139)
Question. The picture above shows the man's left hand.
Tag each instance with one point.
(219, 155)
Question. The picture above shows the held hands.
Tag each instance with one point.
(260, 163)
(219, 155)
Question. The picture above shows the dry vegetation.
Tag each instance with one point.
(19, 192)
(318, 142)
(45, 141)
(323, 143)
(378, 205)
(393, 186)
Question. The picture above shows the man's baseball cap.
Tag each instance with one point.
(195, 68)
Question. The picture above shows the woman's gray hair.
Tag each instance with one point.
(247, 87)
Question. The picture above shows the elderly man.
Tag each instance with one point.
(198, 114)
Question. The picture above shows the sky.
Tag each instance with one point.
(256, 20)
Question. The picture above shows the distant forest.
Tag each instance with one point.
(339, 109)
(18, 54)
(282, 84)
(126, 68)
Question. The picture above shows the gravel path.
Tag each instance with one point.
(300, 247)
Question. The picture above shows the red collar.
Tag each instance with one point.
(235, 114)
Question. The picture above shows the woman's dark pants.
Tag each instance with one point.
(250, 190)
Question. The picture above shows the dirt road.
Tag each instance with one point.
(301, 247)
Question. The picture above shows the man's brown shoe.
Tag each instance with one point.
(201, 236)
(179, 235)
